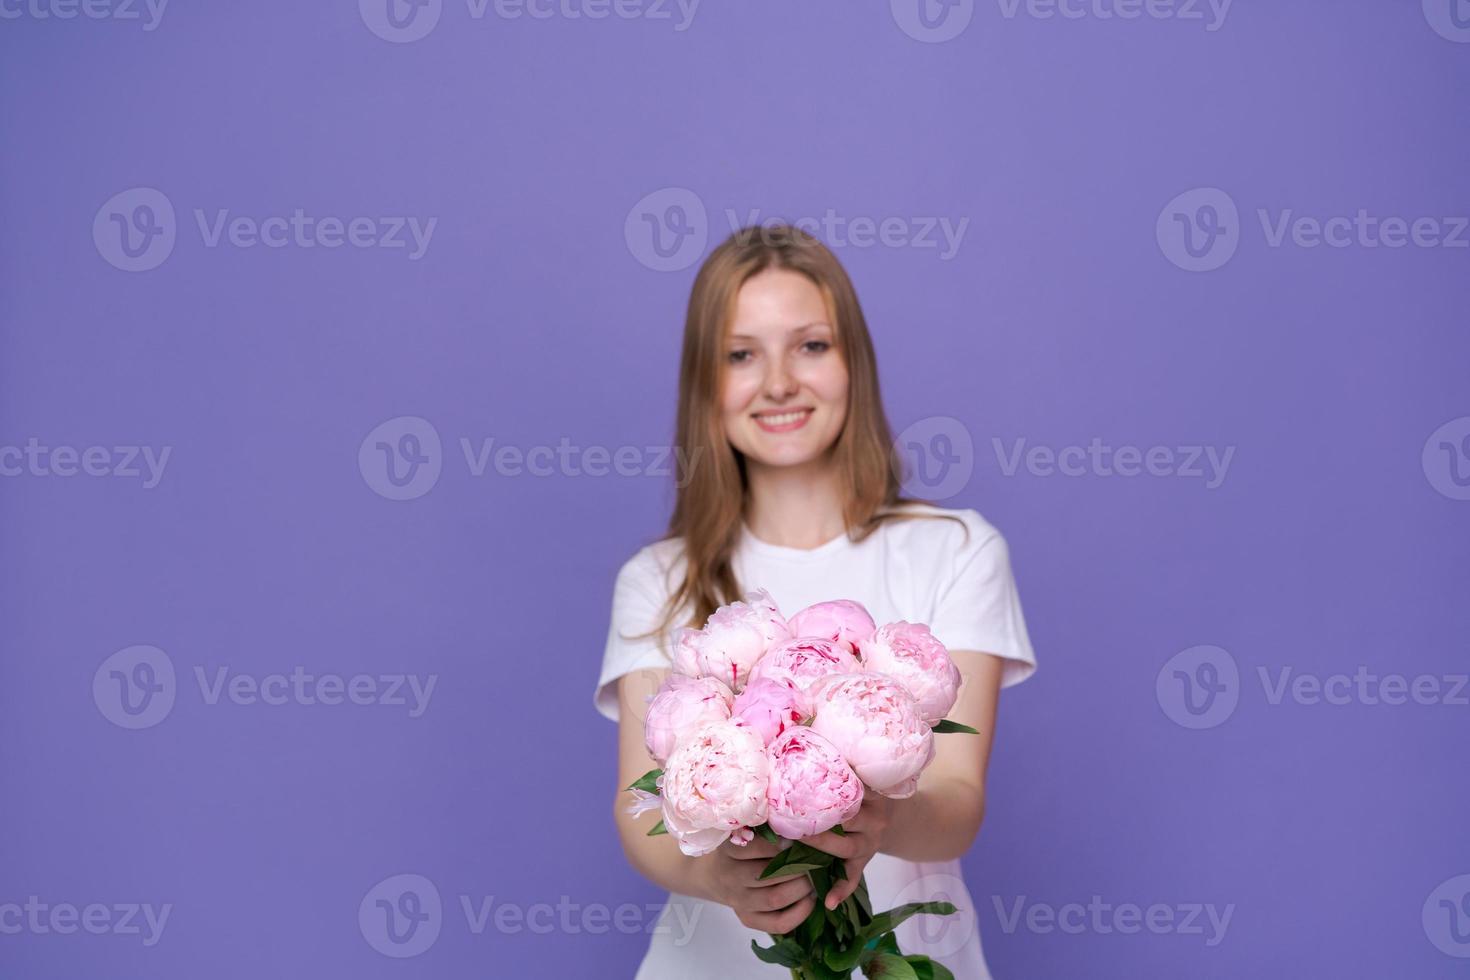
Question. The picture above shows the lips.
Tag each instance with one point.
(784, 421)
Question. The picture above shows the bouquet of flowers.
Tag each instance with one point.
(779, 727)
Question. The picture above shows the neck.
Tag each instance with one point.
(794, 506)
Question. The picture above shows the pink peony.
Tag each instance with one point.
(876, 725)
(911, 655)
(680, 705)
(842, 621)
(770, 707)
(713, 785)
(812, 787)
(802, 662)
(732, 640)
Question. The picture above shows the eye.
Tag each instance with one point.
(817, 346)
(738, 356)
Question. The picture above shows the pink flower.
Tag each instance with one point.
(812, 787)
(876, 725)
(842, 621)
(681, 704)
(713, 785)
(732, 640)
(911, 655)
(770, 707)
(802, 662)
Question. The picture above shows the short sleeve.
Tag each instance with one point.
(637, 605)
(978, 607)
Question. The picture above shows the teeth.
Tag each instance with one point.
(783, 419)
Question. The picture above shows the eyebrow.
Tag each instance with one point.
(794, 330)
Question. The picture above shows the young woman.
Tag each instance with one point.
(795, 489)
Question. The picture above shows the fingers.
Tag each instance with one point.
(785, 920)
(847, 885)
(777, 897)
(835, 844)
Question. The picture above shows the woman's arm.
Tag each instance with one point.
(942, 819)
(656, 858)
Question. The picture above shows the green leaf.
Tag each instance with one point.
(927, 969)
(657, 829)
(945, 726)
(648, 782)
(865, 903)
(889, 967)
(890, 920)
(767, 833)
(843, 959)
(837, 829)
(786, 952)
(799, 858)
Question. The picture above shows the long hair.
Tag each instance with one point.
(710, 504)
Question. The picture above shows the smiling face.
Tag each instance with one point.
(783, 379)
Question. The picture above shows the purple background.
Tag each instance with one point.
(531, 318)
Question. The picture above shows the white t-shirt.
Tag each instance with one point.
(922, 571)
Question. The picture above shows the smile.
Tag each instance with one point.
(784, 421)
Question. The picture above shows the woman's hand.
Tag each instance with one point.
(863, 839)
(731, 876)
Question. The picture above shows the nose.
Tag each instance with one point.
(780, 385)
